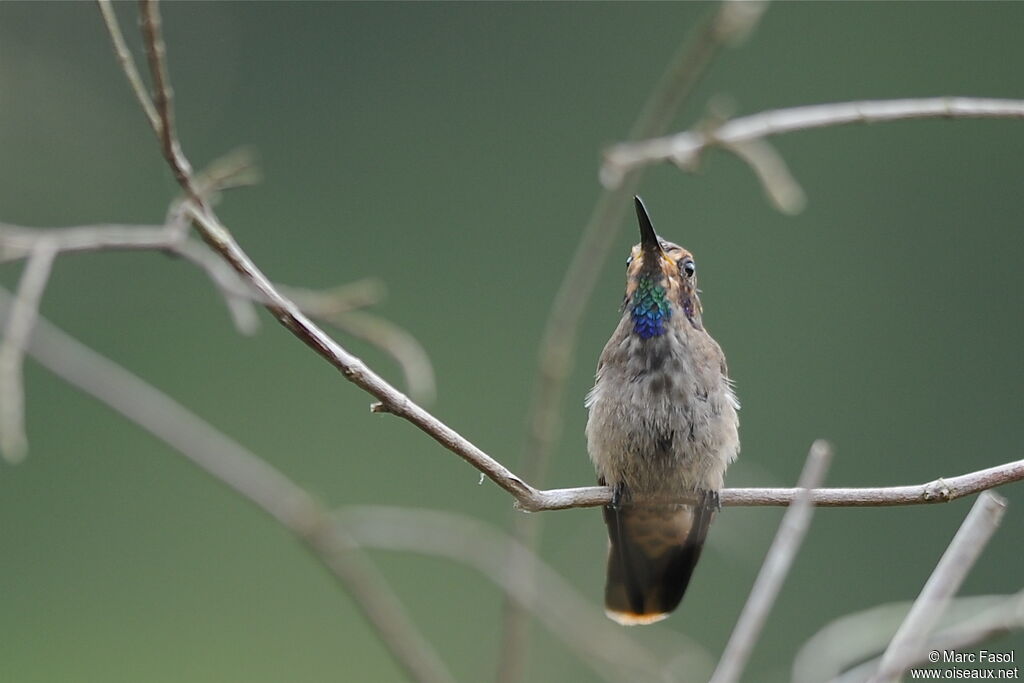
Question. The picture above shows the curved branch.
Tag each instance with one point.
(685, 148)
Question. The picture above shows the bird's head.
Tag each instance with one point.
(661, 281)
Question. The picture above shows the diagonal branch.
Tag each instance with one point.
(684, 148)
(942, 585)
(773, 572)
(248, 475)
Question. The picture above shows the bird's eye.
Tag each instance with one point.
(629, 259)
(688, 267)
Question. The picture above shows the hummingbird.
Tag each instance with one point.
(662, 428)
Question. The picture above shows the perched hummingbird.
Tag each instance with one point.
(662, 427)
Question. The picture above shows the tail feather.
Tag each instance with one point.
(651, 558)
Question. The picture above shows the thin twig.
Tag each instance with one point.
(683, 148)
(942, 585)
(24, 312)
(610, 651)
(410, 355)
(773, 572)
(726, 24)
(1006, 616)
(127, 62)
(846, 649)
(156, 54)
(246, 474)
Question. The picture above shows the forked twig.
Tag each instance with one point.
(684, 148)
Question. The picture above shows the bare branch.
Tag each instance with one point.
(156, 54)
(941, 490)
(568, 616)
(842, 650)
(24, 312)
(127, 62)
(396, 342)
(942, 585)
(246, 474)
(773, 572)
(1006, 616)
(684, 148)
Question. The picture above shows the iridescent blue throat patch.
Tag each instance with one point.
(650, 309)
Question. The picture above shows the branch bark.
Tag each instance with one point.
(685, 148)
(942, 490)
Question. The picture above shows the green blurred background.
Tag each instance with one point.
(452, 150)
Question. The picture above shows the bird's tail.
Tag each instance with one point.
(651, 557)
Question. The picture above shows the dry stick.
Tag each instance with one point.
(773, 572)
(942, 490)
(124, 56)
(839, 651)
(288, 314)
(246, 474)
(728, 22)
(995, 621)
(156, 54)
(608, 649)
(527, 497)
(404, 348)
(684, 148)
(942, 585)
(24, 312)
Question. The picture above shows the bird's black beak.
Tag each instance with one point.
(648, 238)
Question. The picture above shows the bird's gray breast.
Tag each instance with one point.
(662, 414)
